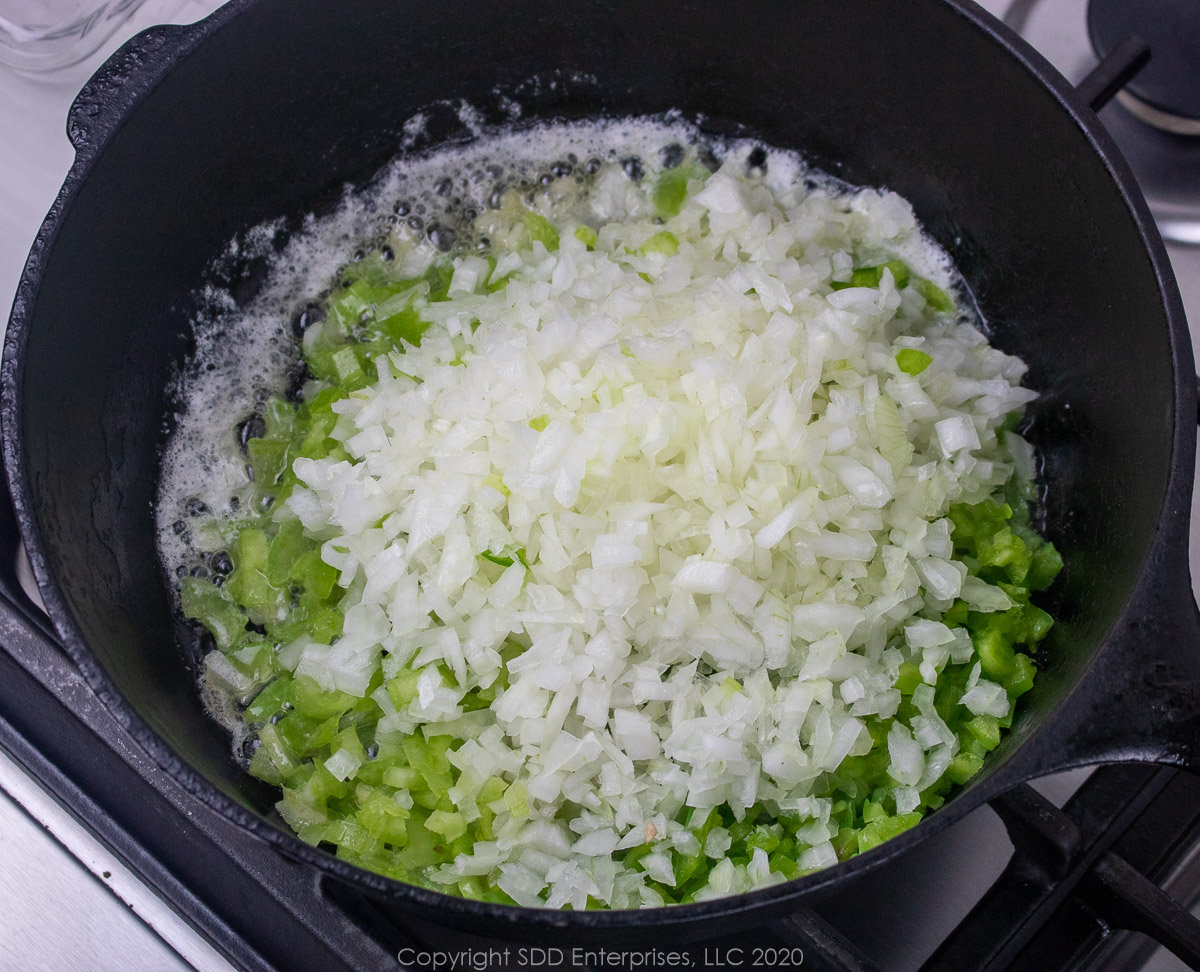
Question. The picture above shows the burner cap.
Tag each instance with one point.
(1170, 83)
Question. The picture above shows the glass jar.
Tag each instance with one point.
(43, 35)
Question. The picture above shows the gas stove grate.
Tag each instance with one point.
(1028, 919)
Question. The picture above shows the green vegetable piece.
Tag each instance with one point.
(996, 655)
(1020, 680)
(306, 736)
(449, 825)
(670, 189)
(381, 816)
(845, 842)
(1047, 562)
(278, 751)
(402, 777)
(1004, 549)
(873, 276)
(956, 615)
(346, 366)
(541, 230)
(934, 296)
(986, 729)
(977, 522)
(664, 242)
(474, 701)
(249, 584)
(900, 273)
(784, 864)
(428, 757)
(214, 608)
(402, 688)
(912, 361)
(262, 767)
(316, 703)
(686, 868)
(516, 800)
(322, 624)
(703, 827)
(587, 236)
(279, 417)
(885, 828)
(347, 738)
(255, 659)
(352, 838)
(764, 838)
(963, 767)
(404, 327)
(313, 574)
(286, 547)
(491, 791)
(506, 556)
(314, 445)
(909, 678)
(273, 698)
(1039, 623)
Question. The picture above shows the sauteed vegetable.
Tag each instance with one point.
(674, 541)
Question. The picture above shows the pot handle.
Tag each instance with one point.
(1140, 700)
(132, 71)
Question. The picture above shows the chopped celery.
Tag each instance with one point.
(913, 361)
(285, 548)
(402, 689)
(404, 327)
(587, 236)
(249, 583)
(313, 574)
(664, 242)
(670, 188)
(274, 698)
(317, 703)
(873, 276)
(541, 230)
(213, 607)
(934, 296)
(449, 825)
(268, 459)
(507, 556)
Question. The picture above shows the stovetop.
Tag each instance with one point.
(204, 895)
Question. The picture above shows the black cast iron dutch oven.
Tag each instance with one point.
(189, 135)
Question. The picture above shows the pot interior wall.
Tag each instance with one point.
(292, 97)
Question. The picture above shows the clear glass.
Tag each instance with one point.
(44, 35)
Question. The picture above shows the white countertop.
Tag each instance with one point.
(59, 909)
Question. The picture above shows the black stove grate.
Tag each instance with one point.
(1069, 886)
